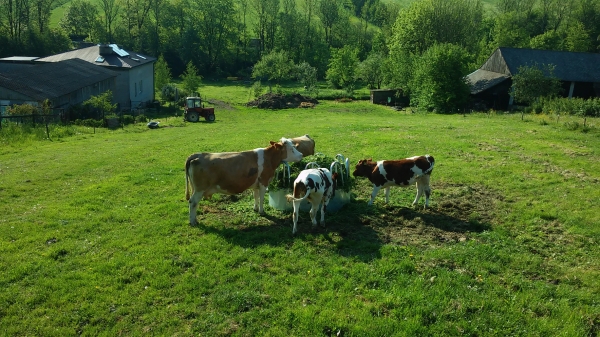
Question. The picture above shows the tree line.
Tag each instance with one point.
(344, 41)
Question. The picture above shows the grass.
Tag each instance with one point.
(95, 239)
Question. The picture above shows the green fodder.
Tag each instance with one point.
(282, 181)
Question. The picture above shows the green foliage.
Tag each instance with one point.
(439, 80)
(568, 106)
(532, 82)
(307, 75)
(141, 118)
(80, 19)
(190, 80)
(22, 109)
(430, 22)
(162, 74)
(257, 89)
(102, 102)
(168, 92)
(284, 181)
(371, 70)
(274, 66)
(342, 67)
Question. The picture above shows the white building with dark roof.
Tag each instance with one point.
(135, 80)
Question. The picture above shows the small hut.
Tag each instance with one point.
(390, 97)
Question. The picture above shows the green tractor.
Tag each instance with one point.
(194, 109)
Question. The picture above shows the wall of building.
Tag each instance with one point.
(141, 84)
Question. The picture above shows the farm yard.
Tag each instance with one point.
(95, 237)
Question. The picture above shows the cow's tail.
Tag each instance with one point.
(432, 161)
(291, 198)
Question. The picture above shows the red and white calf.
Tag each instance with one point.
(317, 186)
(304, 144)
(403, 173)
(235, 172)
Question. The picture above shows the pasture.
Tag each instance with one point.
(95, 237)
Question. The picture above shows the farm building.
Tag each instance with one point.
(579, 74)
(64, 83)
(392, 97)
(135, 83)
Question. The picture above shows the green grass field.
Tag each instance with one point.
(95, 240)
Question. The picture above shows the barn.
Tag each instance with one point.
(579, 74)
(391, 97)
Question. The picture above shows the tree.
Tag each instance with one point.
(329, 13)
(371, 70)
(162, 73)
(342, 67)
(190, 79)
(439, 81)
(307, 75)
(428, 22)
(102, 102)
(275, 66)
(216, 28)
(533, 82)
(79, 18)
(577, 38)
(110, 11)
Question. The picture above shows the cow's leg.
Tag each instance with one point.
(196, 197)
(419, 192)
(259, 197)
(295, 216)
(387, 195)
(314, 208)
(374, 194)
(323, 210)
(427, 190)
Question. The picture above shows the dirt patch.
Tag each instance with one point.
(277, 101)
(220, 104)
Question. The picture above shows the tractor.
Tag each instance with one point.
(194, 109)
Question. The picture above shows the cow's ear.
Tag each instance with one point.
(271, 142)
(370, 160)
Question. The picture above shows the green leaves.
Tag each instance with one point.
(531, 83)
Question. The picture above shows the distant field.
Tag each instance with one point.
(95, 238)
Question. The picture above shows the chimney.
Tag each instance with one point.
(105, 49)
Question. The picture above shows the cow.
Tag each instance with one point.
(235, 172)
(305, 145)
(316, 186)
(404, 172)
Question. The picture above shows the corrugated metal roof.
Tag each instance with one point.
(481, 80)
(569, 66)
(91, 54)
(52, 80)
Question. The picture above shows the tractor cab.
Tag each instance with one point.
(194, 109)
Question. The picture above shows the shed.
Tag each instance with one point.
(391, 97)
(579, 73)
(64, 83)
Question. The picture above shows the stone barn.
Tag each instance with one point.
(579, 74)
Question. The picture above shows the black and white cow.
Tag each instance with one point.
(316, 186)
(404, 172)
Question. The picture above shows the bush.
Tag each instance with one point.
(128, 119)
(570, 106)
(141, 118)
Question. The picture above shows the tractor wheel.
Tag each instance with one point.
(192, 116)
(210, 118)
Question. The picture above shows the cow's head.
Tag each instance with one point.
(291, 153)
(364, 168)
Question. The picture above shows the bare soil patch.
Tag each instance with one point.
(277, 101)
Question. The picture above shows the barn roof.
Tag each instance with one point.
(481, 80)
(103, 55)
(569, 66)
(52, 80)
(505, 63)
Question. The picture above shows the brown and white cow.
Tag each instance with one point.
(403, 173)
(235, 172)
(305, 145)
(318, 187)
